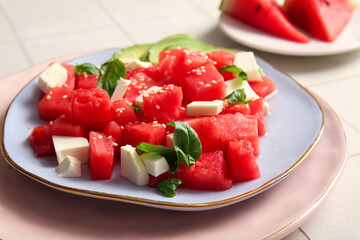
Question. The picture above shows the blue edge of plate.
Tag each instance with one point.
(295, 122)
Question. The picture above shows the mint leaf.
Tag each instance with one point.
(86, 68)
(234, 69)
(168, 186)
(186, 143)
(110, 73)
(167, 153)
(237, 96)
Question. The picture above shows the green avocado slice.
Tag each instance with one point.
(133, 52)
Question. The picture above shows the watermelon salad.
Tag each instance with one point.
(322, 19)
(183, 117)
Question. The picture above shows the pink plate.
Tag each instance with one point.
(34, 211)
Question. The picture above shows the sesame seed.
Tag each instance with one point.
(129, 123)
(167, 132)
(65, 96)
(157, 107)
(48, 97)
(155, 122)
(213, 81)
(163, 125)
(207, 85)
(100, 136)
(182, 108)
(201, 83)
(122, 127)
(51, 122)
(188, 61)
(115, 144)
(62, 116)
(142, 122)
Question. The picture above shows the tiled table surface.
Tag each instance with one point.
(37, 30)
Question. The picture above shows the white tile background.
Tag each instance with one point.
(36, 30)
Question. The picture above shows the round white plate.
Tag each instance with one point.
(242, 33)
(294, 127)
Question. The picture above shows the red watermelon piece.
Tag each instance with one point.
(265, 15)
(70, 82)
(91, 107)
(163, 105)
(66, 127)
(101, 156)
(123, 113)
(257, 110)
(140, 82)
(221, 59)
(152, 133)
(56, 103)
(86, 81)
(114, 133)
(211, 172)
(324, 20)
(263, 88)
(215, 132)
(236, 108)
(41, 141)
(241, 161)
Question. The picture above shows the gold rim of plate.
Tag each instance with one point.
(166, 204)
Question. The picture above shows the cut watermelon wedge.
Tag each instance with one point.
(265, 15)
(324, 20)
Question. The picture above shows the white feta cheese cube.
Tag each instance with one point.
(155, 164)
(247, 62)
(139, 100)
(54, 75)
(169, 141)
(235, 84)
(69, 167)
(204, 108)
(132, 167)
(77, 147)
(120, 89)
(135, 64)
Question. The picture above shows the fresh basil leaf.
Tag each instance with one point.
(86, 68)
(234, 69)
(237, 96)
(110, 73)
(186, 143)
(136, 108)
(168, 186)
(167, 153)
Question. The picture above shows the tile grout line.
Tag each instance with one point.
(349, 123)
(118, 25)
(354, 155)
(333, 80)
(304, 233)
(17, 36)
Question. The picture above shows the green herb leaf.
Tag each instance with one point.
(168, 186)
(86, 68)
(136, 108)
(186, 143)
(167, 153)
(110, 73)
(237, 96)
(234, 69)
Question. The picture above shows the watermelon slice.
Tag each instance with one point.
(265, 15)
(323, 19)
(152, 133)
(41, 141)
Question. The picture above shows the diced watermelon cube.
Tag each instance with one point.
(221, 59)
(216, 131)
(241, 161)
(257, 110)
(203, 84)
(211, 172)
(101, 154)
(41, 141)
(152, 133)
(91, 107)
(263, 88)
(139, 83)
(234, 108)
(163, 105)
(122, 112)
(66, 127)
(70, 82)
(86, 81)
(114, 132)
(56, 103)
